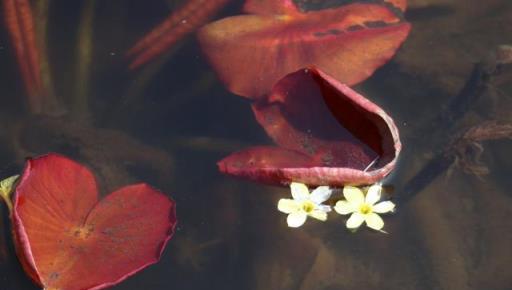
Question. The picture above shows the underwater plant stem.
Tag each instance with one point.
(50, 105)
(135, 89)
(183, 21)
(19, 22)
(476, 85)
(427, 174)
(137, 86)
(441, 128)
(80, 105)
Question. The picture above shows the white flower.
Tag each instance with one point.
(364, 209)
(305, 204)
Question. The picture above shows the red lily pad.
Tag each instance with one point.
(68, 240)
(289, 7)
(251, 52)
(327, 134)
(271, 7)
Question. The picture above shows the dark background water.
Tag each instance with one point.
(169, 124)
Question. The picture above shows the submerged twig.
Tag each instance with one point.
(20, 26)
(50, 104)
(474, 88)
(438, 233)
(137, 86)
(80, 106)
(468, 149)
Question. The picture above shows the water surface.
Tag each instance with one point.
(169, 123)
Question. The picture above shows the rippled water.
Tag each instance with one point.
(169, 123)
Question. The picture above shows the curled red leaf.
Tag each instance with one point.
(327, 134)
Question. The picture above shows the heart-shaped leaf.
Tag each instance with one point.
(252, 52)
(68, 240)
(327, 135)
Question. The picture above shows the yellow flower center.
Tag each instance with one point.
(82, 233)
(308, 206)
(365, 209)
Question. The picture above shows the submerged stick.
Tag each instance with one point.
(80, 106)
(136, 87)
(475, 87)
(20, 26)
(50, 103)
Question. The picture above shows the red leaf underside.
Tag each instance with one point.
(301, 114)
(326, 133)
(70, 241)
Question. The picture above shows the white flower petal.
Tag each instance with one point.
(353, 195)
(319, 215)
(322, 207)
(355, 220)
(296, 219)
(373, 194)
(320, 194)
(343, 207)
(374, 221)
(299, 191)
(384, 207)
(288, 205)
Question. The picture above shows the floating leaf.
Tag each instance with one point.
(251, 52)
(273, 7)
(327, 135)
(270, 7)
(68, 240)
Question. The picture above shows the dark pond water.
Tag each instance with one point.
(171, 121)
